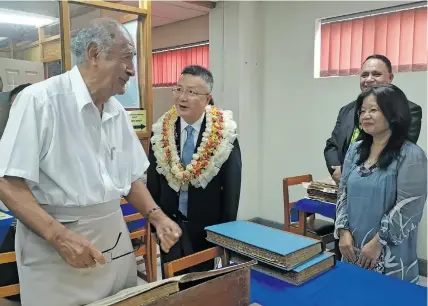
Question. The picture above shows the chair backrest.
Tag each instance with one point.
(286, 183)
(145, 249)
(10, 289)
(192, 260)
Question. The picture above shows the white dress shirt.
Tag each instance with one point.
(196, 129)
(69, 156)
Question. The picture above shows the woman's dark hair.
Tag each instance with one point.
(395, 107)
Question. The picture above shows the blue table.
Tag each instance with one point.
(345, 284)
(312, 206)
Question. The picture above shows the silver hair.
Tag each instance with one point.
(102, 32)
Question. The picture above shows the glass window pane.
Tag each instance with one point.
(81, 15)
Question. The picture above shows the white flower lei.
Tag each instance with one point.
(214, 150)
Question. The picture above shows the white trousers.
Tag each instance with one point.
(47, 280)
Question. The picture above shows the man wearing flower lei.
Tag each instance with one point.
(195, 164)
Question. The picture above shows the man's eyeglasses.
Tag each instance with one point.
(189, 92)
(108, 254)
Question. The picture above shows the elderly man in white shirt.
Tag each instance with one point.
(67, 156)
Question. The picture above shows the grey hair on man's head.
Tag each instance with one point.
(102, 32)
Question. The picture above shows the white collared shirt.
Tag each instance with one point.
(69, 156)
(196, 129)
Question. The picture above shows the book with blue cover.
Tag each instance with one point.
(272, 246)
(299, 275)
(6, 220)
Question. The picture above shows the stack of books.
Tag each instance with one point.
(321, 191)
(293, 258)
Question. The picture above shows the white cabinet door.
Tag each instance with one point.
(16, 72)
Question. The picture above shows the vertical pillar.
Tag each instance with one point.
(236, 46)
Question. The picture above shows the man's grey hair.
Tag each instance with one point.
(102, 32)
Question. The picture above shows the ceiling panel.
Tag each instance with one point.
(183, 4)
(174, 12)
(160, 21)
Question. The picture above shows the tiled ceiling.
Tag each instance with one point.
(164, 12)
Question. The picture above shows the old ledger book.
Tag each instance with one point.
(266, 244)
(149, 293)
(300, 274)
(321, 191)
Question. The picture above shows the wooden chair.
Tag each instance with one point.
(192, 260)
(10, 289)
(147, 249)
(316, 228)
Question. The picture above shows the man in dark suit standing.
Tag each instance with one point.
(195, 164)
(376, 69)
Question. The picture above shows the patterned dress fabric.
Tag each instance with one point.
(388, 202)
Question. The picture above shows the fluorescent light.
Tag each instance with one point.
(2, 38)
(24, 18)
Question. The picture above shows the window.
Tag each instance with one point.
(168, 64)
(399, 32)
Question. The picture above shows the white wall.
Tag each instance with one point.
(236, 63)
(296, 112)
(184, 32)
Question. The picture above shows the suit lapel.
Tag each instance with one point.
(178, 136)
(198, 142)
(350, 125)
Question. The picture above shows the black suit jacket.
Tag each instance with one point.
(337, 145)
(217, 203)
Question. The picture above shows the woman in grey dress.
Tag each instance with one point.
(383, 188)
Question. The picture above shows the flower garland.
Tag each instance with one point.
(214, 150)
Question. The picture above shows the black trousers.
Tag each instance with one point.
(182, 248)
(9, 271)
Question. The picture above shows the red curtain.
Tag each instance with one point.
(400, 36)
(167, 66)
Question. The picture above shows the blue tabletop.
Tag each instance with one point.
(345, 284)
(313, 206)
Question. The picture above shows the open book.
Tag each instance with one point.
(148, 293)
